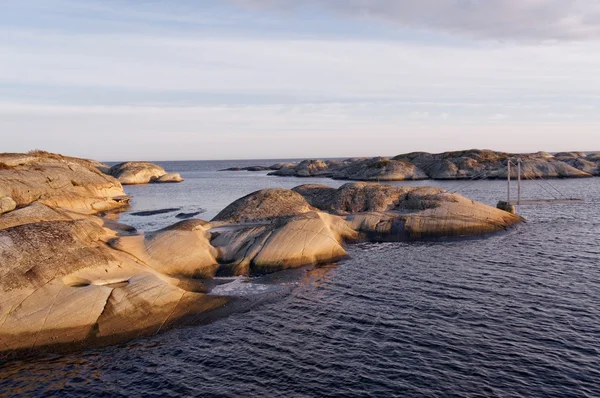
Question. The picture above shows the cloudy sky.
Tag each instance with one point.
(231, 79)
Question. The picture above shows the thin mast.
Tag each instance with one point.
(508, 185)
(519, 181)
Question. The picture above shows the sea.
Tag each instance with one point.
(515, 314)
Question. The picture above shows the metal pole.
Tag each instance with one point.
(519, 182)
(508, 186)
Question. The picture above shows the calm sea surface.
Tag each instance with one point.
(509, 315)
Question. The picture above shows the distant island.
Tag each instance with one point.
(457, 165)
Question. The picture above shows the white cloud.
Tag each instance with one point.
(309, 68)
(500, 19)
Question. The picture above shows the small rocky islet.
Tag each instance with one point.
(470, 164)
(71, 275)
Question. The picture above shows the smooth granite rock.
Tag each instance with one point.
(132, 173)
(263, 205)
(59, 181)
(7, 204)
(69, 278)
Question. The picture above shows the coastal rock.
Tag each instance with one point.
(353, 197)
(475, 164)
(287, 242)
(131, 173)
(306, 168)
(279, 166)
(382, 212)
(169, 177)
(252, 241)
(59, 181)
(379, 169)
(73, 289)
(263, 205)
(37, 212)
(181, 250)
(469, 164)
(71, 278)
(587, 163)
(7, 204)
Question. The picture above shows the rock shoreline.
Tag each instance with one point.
(469, 164)
(71, 276)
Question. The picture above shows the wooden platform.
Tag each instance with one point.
(545, 202)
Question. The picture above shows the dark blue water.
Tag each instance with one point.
(509, 315)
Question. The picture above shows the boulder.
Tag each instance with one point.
(131, 173)
(169, 177)
(288, 242)
(7, 204)
(264, 205)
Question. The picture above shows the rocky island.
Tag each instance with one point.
(469, 164)
(70, 275)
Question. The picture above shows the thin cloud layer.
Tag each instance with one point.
(487, 19)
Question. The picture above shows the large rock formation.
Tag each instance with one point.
(587, 163)
(263, 205)
(286, 242)
(275, 229)
(470, 164)
(58, 181)
(131, 173)
(488, 164)
(68, 277)
(379, 169)
(385, 213)
(60, 283)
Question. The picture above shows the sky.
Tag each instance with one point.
(250, 79)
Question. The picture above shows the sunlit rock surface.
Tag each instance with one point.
(70, 278)
(132, 173)
(58, 181)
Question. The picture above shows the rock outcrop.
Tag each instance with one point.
(181, 250)
(287, 242)
(264, 205)
(70, 278)
(61, 284)
(132, 173)
(58, 181)
(66, 279)
(274, 229)
(385, 213)
(470, 164)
